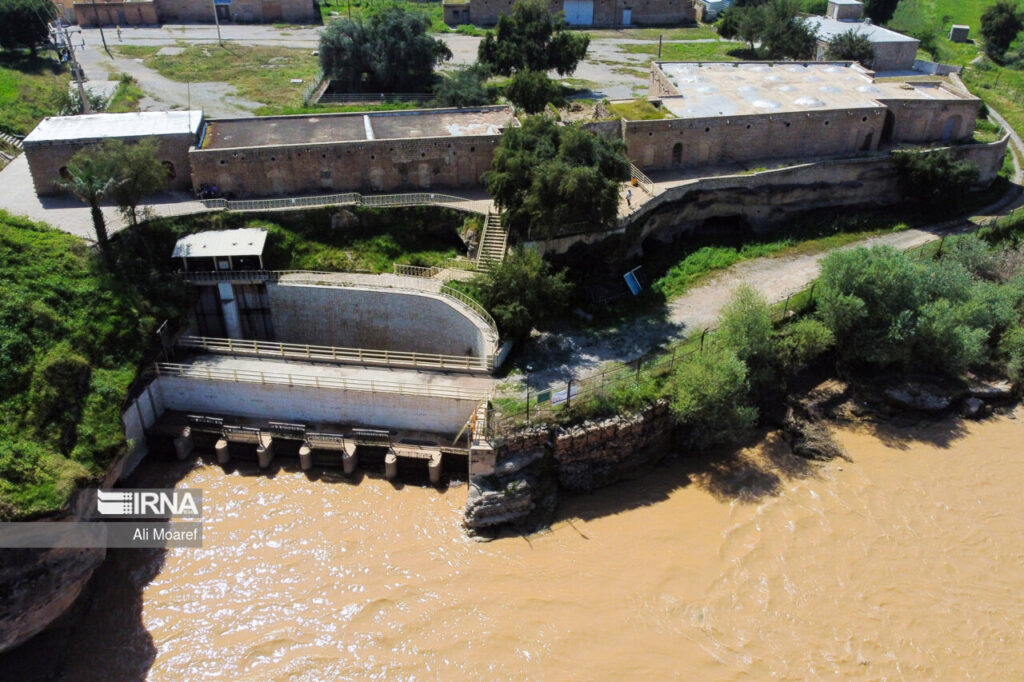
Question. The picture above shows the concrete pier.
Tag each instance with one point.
(350, 460)
(391, 466)
(265, 451)
(221, 448)
(183, 444)
(305, 457)
(434, 468)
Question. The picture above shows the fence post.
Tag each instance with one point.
(702, 335)
(810, 296)
(942, 242)
(568, 394)
(672, 363)
(527, 405)
(639, 363)
(785, 309)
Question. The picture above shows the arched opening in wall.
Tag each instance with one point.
(169, 169)
(950, 128)
(868, 139)
(64, 172)
(677, 154)
(887, 127)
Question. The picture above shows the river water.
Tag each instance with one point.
(905, 563)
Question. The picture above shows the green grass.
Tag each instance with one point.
(433, 10)
(126, 97)
(260, 74)
(690, 52)
(639, 110)
(960, 12)
(30, 90)
(71, 337)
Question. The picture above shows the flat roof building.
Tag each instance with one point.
(360, 152)
(240, 249)
(737, 112)
(50, 146)
(893, 51)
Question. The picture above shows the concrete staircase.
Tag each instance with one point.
(493, 242)
(11, 140)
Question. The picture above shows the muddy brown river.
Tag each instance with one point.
(906, 563)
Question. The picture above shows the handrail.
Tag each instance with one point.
(412, 283)
(365, 356)
(642, 180)
(346, 198)
(207, 373)
(415, 270)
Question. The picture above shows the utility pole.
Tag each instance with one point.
(103, 36)
(216, 20)
(59, 35)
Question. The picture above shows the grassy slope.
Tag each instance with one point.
(30, 89)
(70, 338)
(687, 52)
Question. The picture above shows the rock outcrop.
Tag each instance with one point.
(37, 586)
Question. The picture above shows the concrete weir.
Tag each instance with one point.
(414, 457)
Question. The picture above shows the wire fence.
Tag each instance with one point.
(545, 406)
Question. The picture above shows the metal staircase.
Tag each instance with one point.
(493, 242)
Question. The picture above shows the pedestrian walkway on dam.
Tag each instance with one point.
(471, 384)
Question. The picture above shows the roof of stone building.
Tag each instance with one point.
(709, 89)
(355, 127)
(98, 126)
(247, 241)
(827, 29)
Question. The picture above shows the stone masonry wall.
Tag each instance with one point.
(45, 160)
(675, 143)
(918, 120)
(246, 11)
(599, 453)
(133, 13)
(365, 166)
(606, 12)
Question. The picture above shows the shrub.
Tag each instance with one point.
(709, 395)
(522, 291)
(745, 328)
(531, 91)
(1011, 347)
(801, 342)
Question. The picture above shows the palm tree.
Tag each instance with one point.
(87, 181)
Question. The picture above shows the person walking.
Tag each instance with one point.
(629, 198)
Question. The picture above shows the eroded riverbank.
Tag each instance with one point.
(905, 563)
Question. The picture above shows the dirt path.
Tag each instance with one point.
(555, 358)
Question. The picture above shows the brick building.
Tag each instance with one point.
(371, 152)
(580, 12)
(748, 111)
(893, 51)
(55, 140)
(150, 12)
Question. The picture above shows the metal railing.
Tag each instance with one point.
(343, 199)
(415, 270)
(311, 89)
(207, 373)
(337, 279)
(362, 356)
(642, 180)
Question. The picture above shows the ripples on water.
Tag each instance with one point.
(906, 563)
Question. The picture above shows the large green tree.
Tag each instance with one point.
(23, 23)
(531, 38)
(532, 90)
(773, 29)
(389, 51)
(547, 176)
(851, 46)
(137, 170)
(1000, 24)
